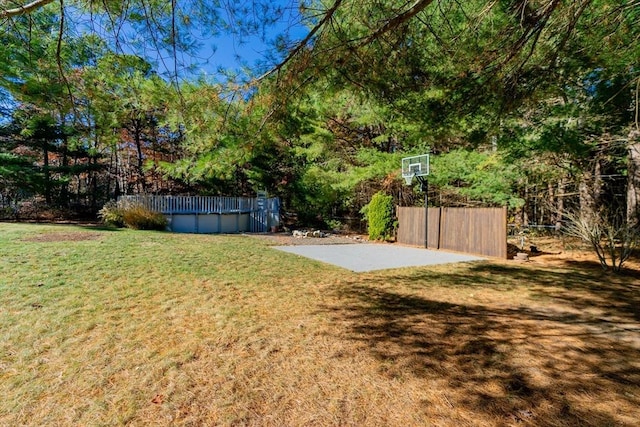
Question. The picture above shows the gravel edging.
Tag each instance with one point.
(286, 239)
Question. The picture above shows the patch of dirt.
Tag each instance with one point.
(286, 239)
(559, 252)
(62, 237)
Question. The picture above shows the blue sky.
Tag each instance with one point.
(228, 50)
(224, 51)
(235, 52)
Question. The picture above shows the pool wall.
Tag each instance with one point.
(204, 214)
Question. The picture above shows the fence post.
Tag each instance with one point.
(439, 227)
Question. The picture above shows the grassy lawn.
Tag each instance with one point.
(102, 327)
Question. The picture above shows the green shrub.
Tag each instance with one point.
(132, 216)
(112, 214)
(334, 224)
(8, 213)
(379, 216)
(141, 218)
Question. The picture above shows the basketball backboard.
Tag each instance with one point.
(415, 166)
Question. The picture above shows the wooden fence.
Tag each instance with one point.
(481, 231)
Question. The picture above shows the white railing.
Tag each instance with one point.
(199, 204)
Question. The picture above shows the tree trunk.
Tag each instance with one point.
(549, 207)
(94, 183)
(47, 173)
(64, 190)
(78, 180)
(137, 132)
(525, 216)
(590, 188)
(633, 179)
(560, 202)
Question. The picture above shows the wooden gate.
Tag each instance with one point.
(481, 231)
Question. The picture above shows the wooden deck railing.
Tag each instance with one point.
(200, 204)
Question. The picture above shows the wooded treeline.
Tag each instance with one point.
(528, 104)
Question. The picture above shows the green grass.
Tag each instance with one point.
(114, 327)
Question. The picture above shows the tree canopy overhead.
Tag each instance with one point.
(514, 43)
(181, 37)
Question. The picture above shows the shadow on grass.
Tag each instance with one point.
(582, 287)
(86, 225)
(578, 287)
(575, 361)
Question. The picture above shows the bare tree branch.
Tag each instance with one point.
(328, 15)
(569, 31)
(638, 103)
(23, 10)
(63, 76)
(398, 20)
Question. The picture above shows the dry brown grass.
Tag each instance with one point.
(143, 328)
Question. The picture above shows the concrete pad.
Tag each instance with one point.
(370, 257)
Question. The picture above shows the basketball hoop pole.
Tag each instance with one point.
(424, 186)
(418, 167)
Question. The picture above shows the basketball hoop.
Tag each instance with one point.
(415, 166)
